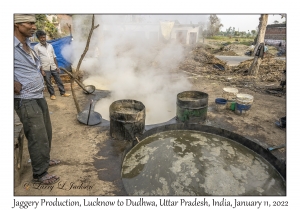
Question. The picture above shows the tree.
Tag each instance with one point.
(236, 33)
(75, 75)
(51, 30)
(276, 22)
(263, 20)
(228, 31)
(248, 33)
(214, 25)
(243, 33)
(253, 32)
(42, 23)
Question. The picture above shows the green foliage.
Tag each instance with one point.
(227, 40)
(42, 23)
(246, 42)
(51, 30)
(253, 32)
(229, 31)
(236, 33)
(221, 38)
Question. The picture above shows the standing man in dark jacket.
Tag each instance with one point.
(49, 66)
(29, 101)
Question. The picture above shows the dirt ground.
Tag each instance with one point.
(91, 160)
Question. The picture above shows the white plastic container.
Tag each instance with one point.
(229, 93)
(246, 99)
(243, 103)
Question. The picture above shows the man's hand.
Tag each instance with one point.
(58, 70)
(17, 87)
(43, 73)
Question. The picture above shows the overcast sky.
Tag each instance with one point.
(245, 22)
(241, 22)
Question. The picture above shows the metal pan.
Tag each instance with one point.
(89, 116)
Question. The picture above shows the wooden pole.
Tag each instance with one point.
(87, 45)
(263, 20)
(93, 27)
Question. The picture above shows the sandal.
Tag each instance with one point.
(54, 162)
(47, 179)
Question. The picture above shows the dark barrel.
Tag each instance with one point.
(127, 118)
(192, 106)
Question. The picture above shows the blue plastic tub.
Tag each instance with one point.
(220, 104)
(242, 108)
(221, 101)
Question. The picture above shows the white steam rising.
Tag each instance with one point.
(128, 60)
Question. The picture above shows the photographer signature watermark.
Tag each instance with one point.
(62, 185)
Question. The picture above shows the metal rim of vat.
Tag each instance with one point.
(126, 103)
(200, 99)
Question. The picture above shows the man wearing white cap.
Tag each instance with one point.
(29, 101)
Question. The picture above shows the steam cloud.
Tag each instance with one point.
(127, 60)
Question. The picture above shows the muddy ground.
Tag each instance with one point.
(91, 159)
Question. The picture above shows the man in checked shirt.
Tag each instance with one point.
(29, 101)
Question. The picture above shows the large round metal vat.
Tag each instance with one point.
(199, 160)
(127, 118)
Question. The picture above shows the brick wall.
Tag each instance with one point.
(276, 32)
